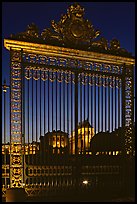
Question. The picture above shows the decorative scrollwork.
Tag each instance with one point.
(97, 66)
(71, 28)
(44, 74)
(28, 73)
(101, 44)
(84, 78)
(96, 79)
(60, 76)
(36, 73)
(73, 31)
(68, 77)
(52, 76)
(31, 33)
(100, 81)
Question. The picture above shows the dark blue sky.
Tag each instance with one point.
(113, 19)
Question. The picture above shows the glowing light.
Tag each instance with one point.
(85, 182)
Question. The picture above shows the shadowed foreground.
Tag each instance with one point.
(88, 196)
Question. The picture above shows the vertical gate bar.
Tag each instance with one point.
(112, 91)
(56, 104)
(123, 96)
(98, 104)
(52, 104)
(52, 83)
(118, 103)
(56, 117)
(67, 109)
(35, 158)
(72, 145)
(81, 139)
(40, 131)
(108, 104)
(95, 103)
(91, 98)
(105, 103)
(115, 105)
(90, 104)
(36, 120)
(76, 133)
(84, 122)
(32, 122)
(102, 89)
(10, 118)
(28, 123)
(88, 111)
(60, 110)
(123, 108)
(5, 153)
(76, 113)
(44, 109)
(48, 113)
(40, 103)
(64, 100)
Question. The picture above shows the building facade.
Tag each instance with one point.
(55, 142)
(85, 134)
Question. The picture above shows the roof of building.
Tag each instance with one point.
(56, 132)
(84, 123)
(104, 141)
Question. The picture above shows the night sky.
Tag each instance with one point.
(113, 19)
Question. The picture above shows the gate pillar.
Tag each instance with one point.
(16, 158)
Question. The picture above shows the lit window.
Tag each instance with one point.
(117, 152)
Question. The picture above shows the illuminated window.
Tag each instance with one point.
(117, 152)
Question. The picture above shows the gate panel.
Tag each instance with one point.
(71, 115)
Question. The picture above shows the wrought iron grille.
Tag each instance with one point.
(71, 119)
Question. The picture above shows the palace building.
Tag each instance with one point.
(85, 134)
(55, 142)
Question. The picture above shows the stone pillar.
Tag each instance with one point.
(16, 195)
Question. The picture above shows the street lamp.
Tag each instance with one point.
(85, 182)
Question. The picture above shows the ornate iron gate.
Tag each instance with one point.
(67, 88)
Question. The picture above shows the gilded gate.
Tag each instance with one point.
(70, 78)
